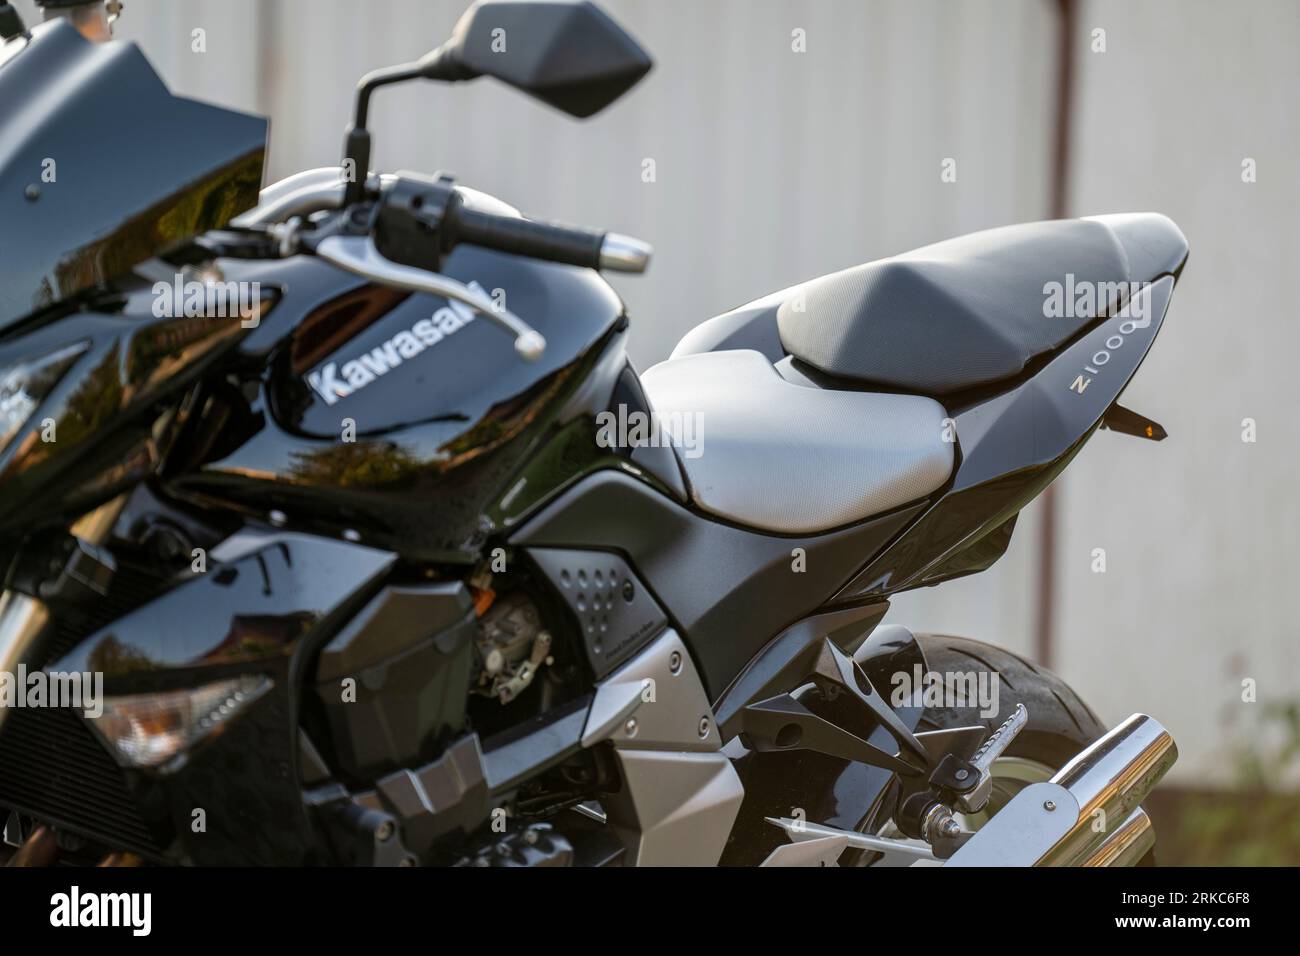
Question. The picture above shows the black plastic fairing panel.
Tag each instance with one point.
(729, 590)
(410, 652)
(131, 362)
(259, 608)
(615, 613)
(1012, 446)
(772, 669)
(266, 608)
(120, 189)
(659, 459)
(835, 792)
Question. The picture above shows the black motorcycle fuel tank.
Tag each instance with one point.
(400, 417)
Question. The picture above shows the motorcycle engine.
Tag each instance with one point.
(512, 647)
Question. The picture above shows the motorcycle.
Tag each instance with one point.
(341, 530)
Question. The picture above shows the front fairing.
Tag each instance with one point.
(101, 167)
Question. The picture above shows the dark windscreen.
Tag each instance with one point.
(101, 167)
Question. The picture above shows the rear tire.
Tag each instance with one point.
(1060, 723)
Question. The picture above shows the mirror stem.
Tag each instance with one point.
(356, 148)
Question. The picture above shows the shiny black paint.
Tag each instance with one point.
(264, 612)
(469, 382)
(784, 661)
(112, 409)
(837, 793)
(258, 607)
(118, 195)
(443, 439)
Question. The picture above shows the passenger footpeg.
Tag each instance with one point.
(974, 800)
(957, 786)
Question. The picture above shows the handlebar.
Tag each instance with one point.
(555, 242)
(417, 221)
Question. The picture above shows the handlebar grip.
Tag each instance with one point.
(572, 245)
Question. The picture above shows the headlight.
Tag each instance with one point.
(149, 730)
(26, 385)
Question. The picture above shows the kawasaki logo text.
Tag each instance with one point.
(336, 380)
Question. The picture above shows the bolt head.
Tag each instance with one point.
(962, 774)
(630, 727)
(384, 831)
(1049, 805)
(704, 727)
(675, 662)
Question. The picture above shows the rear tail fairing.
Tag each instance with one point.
(1012, 445)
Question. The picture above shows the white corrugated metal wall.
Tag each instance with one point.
(773, 166)
(1201, 531)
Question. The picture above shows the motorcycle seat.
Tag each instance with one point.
(957, 314)
(774, 455)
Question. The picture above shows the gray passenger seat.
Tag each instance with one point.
(793, 459)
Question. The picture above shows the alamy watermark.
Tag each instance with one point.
(624, 428)
(922, 688)
(1084, 299)
(79, 690)
(210, 298)
(133, 911)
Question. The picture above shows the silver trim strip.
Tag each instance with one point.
(801, 831)
(680, 793)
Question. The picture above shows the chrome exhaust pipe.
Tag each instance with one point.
(1124, 847)
(1109, 780)
(1088, 814)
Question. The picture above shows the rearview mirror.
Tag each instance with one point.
(567, 53)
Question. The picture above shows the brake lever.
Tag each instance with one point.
(360, 256)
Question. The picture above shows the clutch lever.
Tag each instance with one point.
(359, 256)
